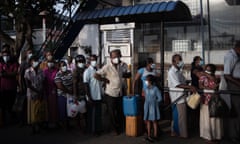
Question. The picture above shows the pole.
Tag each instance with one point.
(162, 52)
(44, 28)
(209, 31)
(202, 31)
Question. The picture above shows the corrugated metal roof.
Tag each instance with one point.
(151, 12)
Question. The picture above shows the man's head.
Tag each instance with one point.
(80, 61)
(48, 55)
(177, 61)
(93, 60)
(33, 61)
(115, 56)
(29, 53)
(5, 55)
(237, 47)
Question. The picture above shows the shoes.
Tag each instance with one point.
(149, 139)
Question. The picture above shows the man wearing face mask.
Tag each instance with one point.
(8, 84)
(177, 80)
(114, 74)
(94, 94)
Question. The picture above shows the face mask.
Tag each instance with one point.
(147, 83)
(6, 58)
(64, 68)
(35, 64)
(80, 65)
(153, 66)
(115, 60)
(29, 55)
(201, 62)
(93, 63)
(208, 72)
(49, 57)
(180, 64)
(50, 64)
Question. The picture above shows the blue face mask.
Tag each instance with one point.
(201, 63)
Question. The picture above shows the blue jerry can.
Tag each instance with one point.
(131, 105)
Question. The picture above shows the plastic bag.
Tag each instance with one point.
(72, 107)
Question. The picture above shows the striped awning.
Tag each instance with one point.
(142, 13)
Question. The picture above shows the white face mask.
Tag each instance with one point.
(6, 58)
(208, 72)
(80, 65)
(115, 60)
(29, 55)
(147, 83)
(49, 57)
(93, 63)
(35, 64)
(153, 66)
(50, 64)
(180, 64)
(64, 68)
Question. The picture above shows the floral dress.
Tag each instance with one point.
(209, 84)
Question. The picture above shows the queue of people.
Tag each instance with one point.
(53, 82)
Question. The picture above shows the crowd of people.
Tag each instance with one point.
(23, 86)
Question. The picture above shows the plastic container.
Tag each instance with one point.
(131, 105)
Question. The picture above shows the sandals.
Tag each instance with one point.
(149, 139)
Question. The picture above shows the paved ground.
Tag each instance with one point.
(23, 135)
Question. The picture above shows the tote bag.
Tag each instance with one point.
(194, 100)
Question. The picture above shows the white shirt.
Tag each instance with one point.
(114, 75)
(175, 78)
(94, 84)
(232, 64)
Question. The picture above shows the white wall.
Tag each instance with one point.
(88, 36)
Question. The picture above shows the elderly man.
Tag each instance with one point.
(177, 80)
(113, 74)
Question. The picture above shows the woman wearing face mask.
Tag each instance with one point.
(143, 72)
(64, 83)
(51, 91)
(35, 84)
(210, 128)
(94, 92)
(78, 85)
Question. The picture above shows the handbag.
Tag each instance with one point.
(194, 100)
(217, 107)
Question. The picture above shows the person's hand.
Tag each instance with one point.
(106, 81)
(193, 89)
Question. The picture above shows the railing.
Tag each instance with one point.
(58, 31)
(166, 89)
